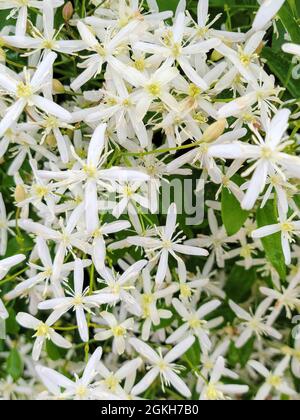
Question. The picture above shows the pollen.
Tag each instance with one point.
(154, 89)
(111, 382)
(119, 331)
(197, 323)
(176, 50)
(274, 381)
(266, 152)
(185, 291)
(48, 44)
(287, 227)
(24, 91)
(140, 64)
(213, 394)
(81, 391)
(78, 300)
(194, 90)
(51, 122)
(40, 191)
(42, 330)
(90, 170)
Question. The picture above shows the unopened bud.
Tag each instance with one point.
(2, 55)
(214, 131)
(259, 48)
(20, 193)
(216, 56)
(68, 11)
(57, 87)
(51, 140)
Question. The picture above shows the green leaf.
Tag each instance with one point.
(289, 20)
(233, 215)
(239, 283)
(14, 365)
(54, 352)
(272, 244)
(12, 327)
(281, 65)
(167, 4)
(193, 354)
(240, 356)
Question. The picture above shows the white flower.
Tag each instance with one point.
(7, 263)
(215, 389)
(254, 324)
(166, 244)
(80, 300)
(291, 49)
(43, 332)
(288, 228)
(101, 52)
(267, 156)
(81, 389)
(195, 324)
(217, 241)
(162, 366)
(119, 287)
(117, 330)
(3, 311)
(285, 297)
(26, 93)
(152, 87)
(111, 380)
(266, 12)
(274, 381)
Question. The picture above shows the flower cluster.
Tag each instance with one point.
(104, 295)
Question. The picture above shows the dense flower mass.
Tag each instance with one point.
(116, 117)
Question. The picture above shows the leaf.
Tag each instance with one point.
(12, 327)
(239, 283)
(289, 20)
(233, 215)
(14, 365)
(193, 354)
(240, 356)
(54, 352)
(272, 244)
(279, 64)
(167, 5)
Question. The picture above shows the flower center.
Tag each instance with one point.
(213, 394)
(111, 382)
(185, 291)
(154, 89)
(266, 152)
(40, 190)
(274, 381)
(287, 227)
(197, 323)
(119, 331)
(78, 300)
(90, 170)
(81, 391)
(24, 91)
(176, 50)
(48, 44)
(42, 330)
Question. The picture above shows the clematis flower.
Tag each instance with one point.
(80, 300)
(163, 366)
(43, 332)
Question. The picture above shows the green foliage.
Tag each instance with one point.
(12, 327)
(233, 215)
(240, 356)
(272, 244)
(239, 284)
(14, 365)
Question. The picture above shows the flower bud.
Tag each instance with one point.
(57, 87)
(20, 193)
(68, 11)
(51, 140)
(214, 131)
(216, 56)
